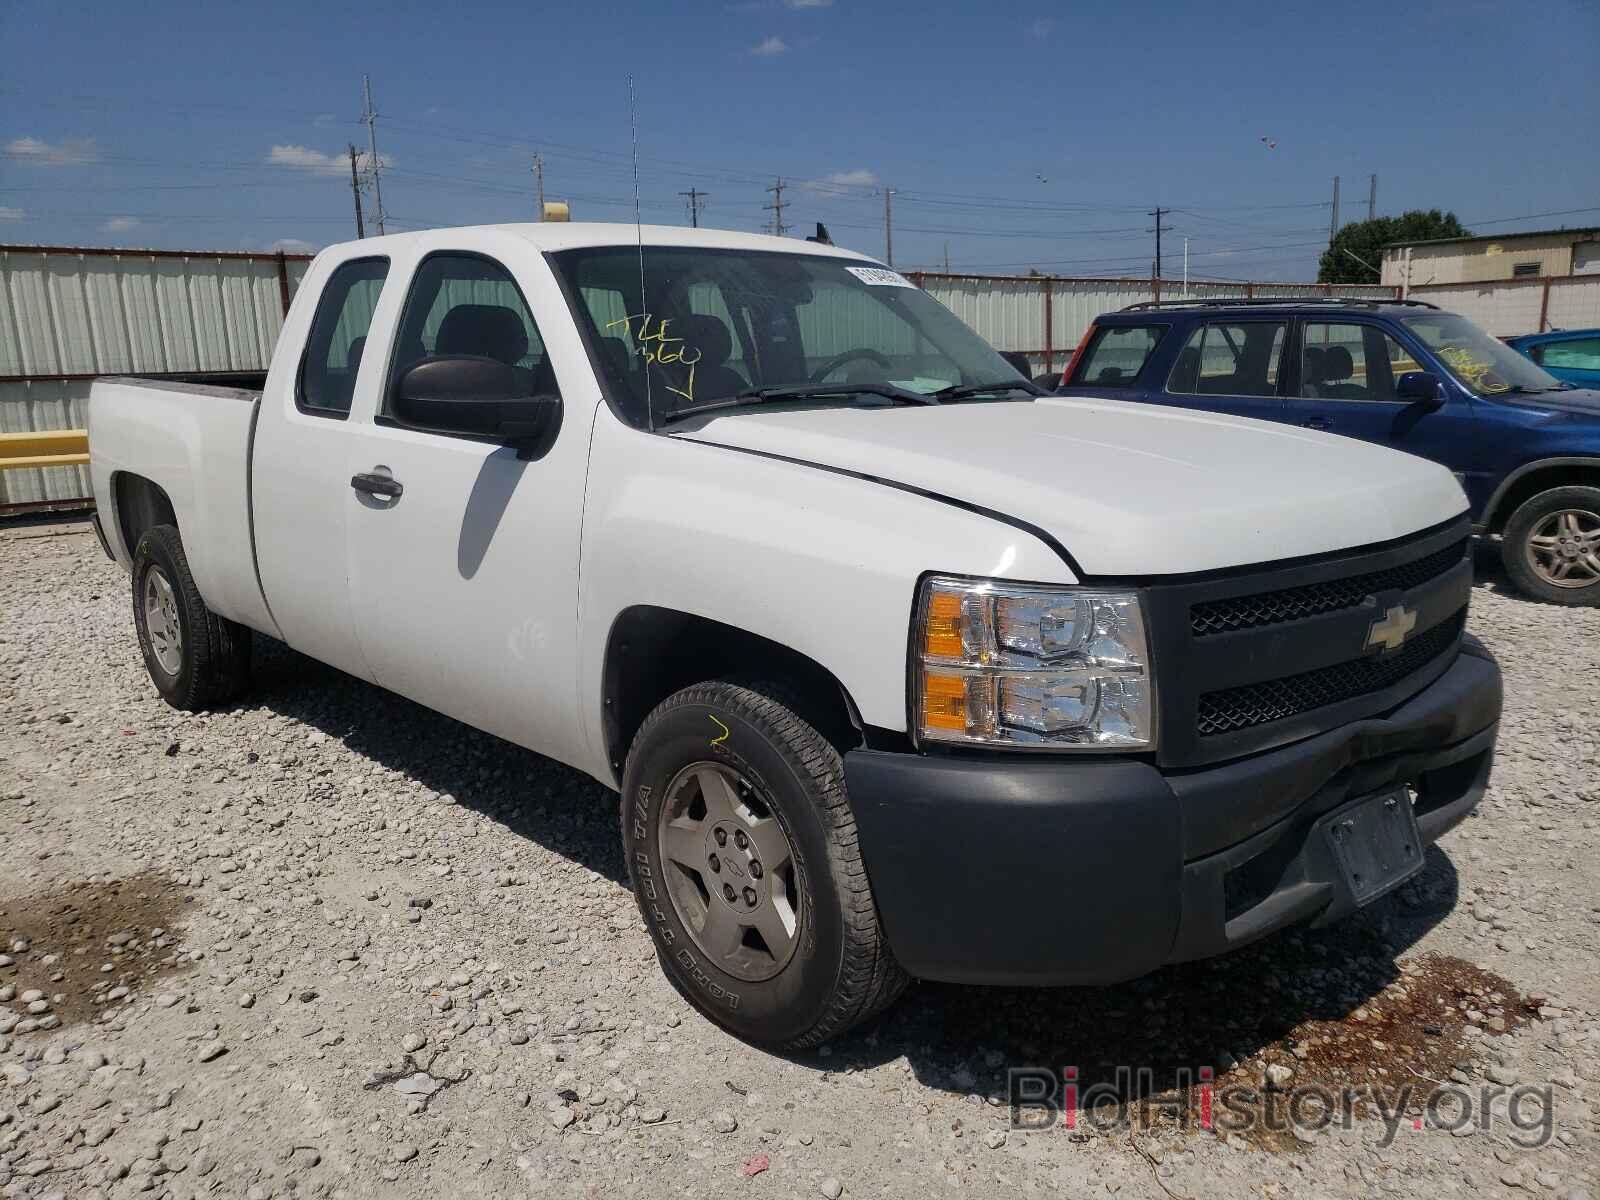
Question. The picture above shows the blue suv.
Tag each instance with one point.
(1525, 446)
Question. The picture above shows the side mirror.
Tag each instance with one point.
(1420, 388)
(469, 394)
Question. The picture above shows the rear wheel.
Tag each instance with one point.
(195, 658)
(1551, 546)
(742, 851)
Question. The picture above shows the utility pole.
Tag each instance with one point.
(1333, 222)
(355, 190)
(696, 198)
(778, 227)
(1185, 268)
(1372, 198)
(370, 116)
(947, 258)
(1158, 214)
(538, 174)
(888, 225)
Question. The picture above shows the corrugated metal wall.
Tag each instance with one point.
(1508, 307)
(68, 314)
(1009, 311)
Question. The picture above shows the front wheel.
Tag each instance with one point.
(1551, 546)
(741, 847)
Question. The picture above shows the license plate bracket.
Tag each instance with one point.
(1376, 843)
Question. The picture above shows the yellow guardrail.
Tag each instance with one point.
(44, 448)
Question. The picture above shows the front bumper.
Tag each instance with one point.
(1019, 871)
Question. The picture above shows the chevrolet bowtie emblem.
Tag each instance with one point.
(1390, 630)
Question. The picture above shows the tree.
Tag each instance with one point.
(1356, 254)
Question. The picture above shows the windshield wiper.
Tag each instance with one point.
(762, 395)
(960, 391)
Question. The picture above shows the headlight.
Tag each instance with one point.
(1049, 667)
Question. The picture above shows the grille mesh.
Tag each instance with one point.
(1254, 704)
(1294, 604)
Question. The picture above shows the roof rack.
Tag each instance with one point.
(1275, 302)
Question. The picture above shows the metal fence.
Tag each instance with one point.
(1507, 307)
(1044, 316)
(70, 313)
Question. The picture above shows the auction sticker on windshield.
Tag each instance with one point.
(880, 277)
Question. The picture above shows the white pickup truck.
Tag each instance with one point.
(902, 668)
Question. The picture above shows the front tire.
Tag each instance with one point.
(1551, 546)
(742, 851)
(196, 659)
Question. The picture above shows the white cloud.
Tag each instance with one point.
(1041, 28)
(808, 3)
(842, 183)
(72, 152)
(293, 246)
(769, 47)
(304, 158)
(119, 224)
(11, 214)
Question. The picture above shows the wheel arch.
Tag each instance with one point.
(652, 652)
(1529, 480)
(141, 504)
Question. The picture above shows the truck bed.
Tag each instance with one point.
(191, 438)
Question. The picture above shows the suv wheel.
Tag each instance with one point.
(741, 847)
(1551, 546)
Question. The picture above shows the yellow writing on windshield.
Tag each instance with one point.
(660, 349)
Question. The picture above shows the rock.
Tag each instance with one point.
(1504, 1076)
(562, 1117)
(211, 1051)
(831, 1188)
(995, 1138)
(412, 1042)
(652, 1116)
(247, 999)
(402, 1153)
(724, 1122)
(165, 1000)
(1279, 1077)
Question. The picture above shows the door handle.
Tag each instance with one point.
(1319, 423)
(376, 485)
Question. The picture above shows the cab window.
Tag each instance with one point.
(338, 337)
(466, 304)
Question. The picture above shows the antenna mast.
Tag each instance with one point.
(638, 226)
(777, 206)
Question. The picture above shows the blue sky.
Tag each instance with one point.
(1015, 134)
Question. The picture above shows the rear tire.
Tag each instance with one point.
(781, 984)
(1551, 546)
(196, 659)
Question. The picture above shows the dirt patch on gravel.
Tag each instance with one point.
(88, 945)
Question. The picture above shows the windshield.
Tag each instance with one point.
(714, 324)
(1484, 366)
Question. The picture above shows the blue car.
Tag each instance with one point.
(1524, 444)
(1571, 355)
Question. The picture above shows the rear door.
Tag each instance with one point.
(300, 488)
(464, 586)
(1232, 366)
(1344, 382)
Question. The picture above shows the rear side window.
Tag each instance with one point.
(1230, 359)
(465, 304)
(338, 337)
(1580, 354)
(1117, 354)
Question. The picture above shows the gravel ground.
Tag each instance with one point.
(330, 943)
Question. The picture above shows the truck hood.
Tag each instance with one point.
(1128, 489)
(1569, 402)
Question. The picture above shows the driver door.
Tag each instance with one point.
(463, 585)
